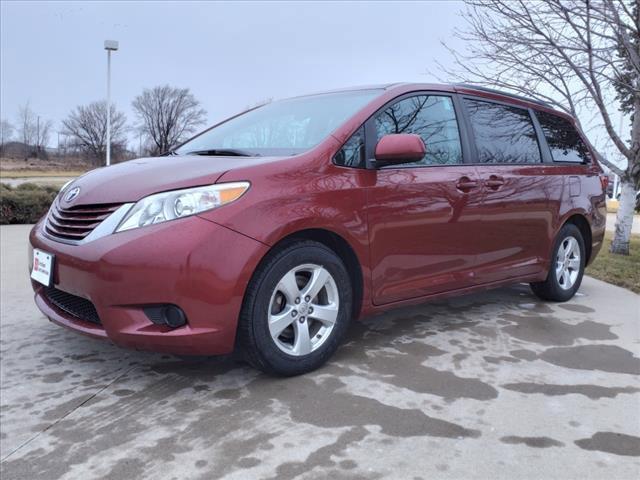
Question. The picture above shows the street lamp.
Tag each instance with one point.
(109, 46)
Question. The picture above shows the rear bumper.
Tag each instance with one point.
(196, 264)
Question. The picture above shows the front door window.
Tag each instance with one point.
(433, 118)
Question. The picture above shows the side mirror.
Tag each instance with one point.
(399, 148)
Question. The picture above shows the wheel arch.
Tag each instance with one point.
(341, 247)
(581, 222)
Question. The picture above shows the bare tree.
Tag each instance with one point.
(6, 132)
(87, 127)
(575, 54)
(33, 131)
(27, 127)
(43, 134)
(168, 116)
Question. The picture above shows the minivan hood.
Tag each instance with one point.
(130, 181)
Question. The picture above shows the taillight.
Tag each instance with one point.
(604, 181)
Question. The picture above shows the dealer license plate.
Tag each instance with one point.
(42, 267)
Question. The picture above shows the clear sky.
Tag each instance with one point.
(230, 55)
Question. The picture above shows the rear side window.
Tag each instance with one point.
(352, 152)
(432, 117)
(563, 139)
(503, 133)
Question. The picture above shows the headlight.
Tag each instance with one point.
(162, 207)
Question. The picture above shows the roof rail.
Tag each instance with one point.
(499, 92)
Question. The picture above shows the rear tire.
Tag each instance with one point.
(566, 267)
(296, 310)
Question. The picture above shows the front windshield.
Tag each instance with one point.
(285, 127)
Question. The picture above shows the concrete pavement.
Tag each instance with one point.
(493, 386)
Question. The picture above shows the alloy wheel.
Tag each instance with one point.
(303, 309)
(568, 263)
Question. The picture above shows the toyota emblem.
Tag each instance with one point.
(73, 193)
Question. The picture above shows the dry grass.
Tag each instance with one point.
(40, 173)
(621, 270)
(612, 205)
(53, 167)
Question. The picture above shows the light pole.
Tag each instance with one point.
(109, 46)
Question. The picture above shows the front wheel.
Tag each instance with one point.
(567, 267)
(296, 310)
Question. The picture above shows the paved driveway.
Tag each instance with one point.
(497, 385)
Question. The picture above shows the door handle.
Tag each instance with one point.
(494, 182)
(465, 184)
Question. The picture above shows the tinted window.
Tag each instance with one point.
(430, 116)
(352, 152)
(503, 134)
(563, 139)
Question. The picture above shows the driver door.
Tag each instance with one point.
(423, 216)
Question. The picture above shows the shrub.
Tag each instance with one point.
(26, 203)
(32, 187)
(28, 186)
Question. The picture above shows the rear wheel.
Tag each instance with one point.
(567, 267)
(296, 310)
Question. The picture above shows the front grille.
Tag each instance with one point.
(78, 307)
(77, 222)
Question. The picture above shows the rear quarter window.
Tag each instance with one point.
(563, 139)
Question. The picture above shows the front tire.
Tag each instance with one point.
(566, 269)
(296, 310)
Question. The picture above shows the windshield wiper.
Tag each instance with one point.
(225, 152)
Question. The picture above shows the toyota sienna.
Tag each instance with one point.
(273, 229)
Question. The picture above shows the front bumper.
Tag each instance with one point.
(193, 263)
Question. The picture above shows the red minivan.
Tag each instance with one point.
(276, 227)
